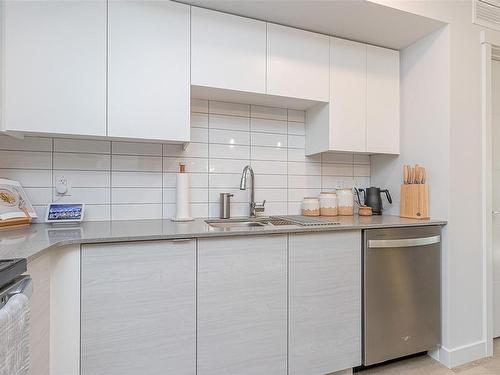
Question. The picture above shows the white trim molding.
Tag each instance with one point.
(458, 356)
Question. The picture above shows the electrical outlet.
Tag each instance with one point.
(62, 185)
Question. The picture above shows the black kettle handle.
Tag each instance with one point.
(387, 194)
(364, 196)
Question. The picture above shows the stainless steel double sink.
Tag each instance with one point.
(247, 222)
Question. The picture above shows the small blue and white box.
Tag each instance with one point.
(65, 212)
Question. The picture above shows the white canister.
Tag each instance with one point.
(328, 203)
(345, 199)
(310, 206)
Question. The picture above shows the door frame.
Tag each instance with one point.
(490, 45)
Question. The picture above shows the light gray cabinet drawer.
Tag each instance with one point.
(242, 305)
(138, 308)
(324, 302)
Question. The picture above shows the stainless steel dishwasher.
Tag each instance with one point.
(401, 292)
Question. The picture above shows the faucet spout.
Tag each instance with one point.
(254, 207)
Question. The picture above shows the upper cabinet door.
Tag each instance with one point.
(149, 74)
(348, 96)
(297, 63)
(228, 51)
(382, 113)
(55, 67)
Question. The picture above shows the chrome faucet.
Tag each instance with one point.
(254, 207)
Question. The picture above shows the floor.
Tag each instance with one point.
(425, 365)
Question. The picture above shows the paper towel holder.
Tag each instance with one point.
(182, 196)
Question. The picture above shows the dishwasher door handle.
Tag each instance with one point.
(406, 242)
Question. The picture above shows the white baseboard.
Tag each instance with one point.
(458, 356)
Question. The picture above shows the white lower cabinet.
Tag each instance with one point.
(138, 312)
(324, 302)
(242, 305)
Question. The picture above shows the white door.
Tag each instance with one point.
(348, 95)
(297, 63)
(228, 52)
(496, 193)
(55, 67)
(149, 75)
(382, 100)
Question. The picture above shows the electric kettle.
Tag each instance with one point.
(372, 198)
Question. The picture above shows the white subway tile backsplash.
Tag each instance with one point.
(229, 152)
(137, 163)
(82, 146)
(268, 126)
(270, 140)
(304, 168)
(297, 154)
(84, 178)
(199, 105)
(122, 180)
(136, 211)
(136, 195)
(337, 169)
(136, 179)
(296, 116)
(296, 141)
(85, 195)
(337, 158)
(193, 165)
(227, 165)
(268, 153)
(39, 195)
(271, 195)
(199, 120)
(29, 177)
(199, 135)
(224, 181)
(269, 167)
(26, 159)
(193, 150)
(361, 159)
(137, 148)
(304, 182)
(271, 113)
(229, 137)
(97, 212)
(296, 128)
(26, 144)
(362, 170)
(228, 122)
(81, 161)
(232, 109)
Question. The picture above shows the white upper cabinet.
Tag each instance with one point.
(363, 114)
(382, 110)
(149, 70)
(297, 63)
(54, 67)
(348, 95)
(228, 52)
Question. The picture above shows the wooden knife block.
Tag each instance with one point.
(414, 201)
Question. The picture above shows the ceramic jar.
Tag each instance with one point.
(345, 199)
(310, 206)
(328, 204)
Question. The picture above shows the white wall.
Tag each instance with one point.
(458, 194)
(126, 180)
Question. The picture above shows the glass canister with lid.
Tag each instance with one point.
(345, 199)
(328, 203)
(310, 206)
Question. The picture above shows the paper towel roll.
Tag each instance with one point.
(183, 199)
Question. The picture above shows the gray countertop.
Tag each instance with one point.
(32, 241)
